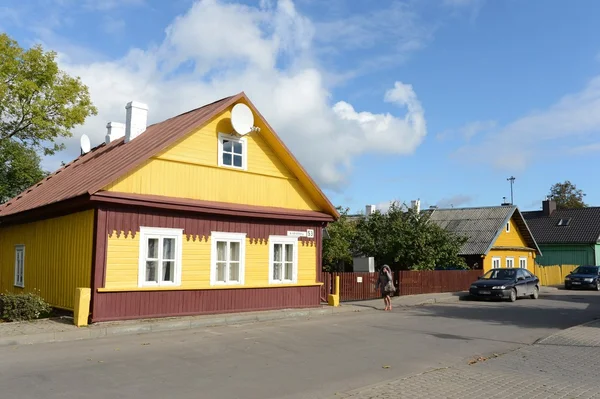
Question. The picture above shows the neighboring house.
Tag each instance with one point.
(497, 236)
(178, 218)
(566, 236)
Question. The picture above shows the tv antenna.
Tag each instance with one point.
(512, 180)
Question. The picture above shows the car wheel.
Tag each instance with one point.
(536, 293)
(597, 285)
(513, 295)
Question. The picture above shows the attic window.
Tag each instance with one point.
(564, 222)
(508, 227)
(233, 151)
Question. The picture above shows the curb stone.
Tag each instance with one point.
(149, 325)
(145, 326)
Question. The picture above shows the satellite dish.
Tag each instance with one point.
(242, 119)
(85, 144)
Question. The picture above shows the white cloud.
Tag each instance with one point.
(113, 25)
(105, 5)
(474, 128)
(515, 145)
(397, 28)
(585, 149)
(468, 131)
(200, 60)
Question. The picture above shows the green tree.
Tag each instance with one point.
(404, 238)
(567, 195)
(337, 250)
(19, 169)
(39, 103)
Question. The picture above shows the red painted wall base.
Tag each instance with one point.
(109, 306)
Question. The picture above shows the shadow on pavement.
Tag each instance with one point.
(561, 310)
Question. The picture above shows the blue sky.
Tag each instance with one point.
(440, 100)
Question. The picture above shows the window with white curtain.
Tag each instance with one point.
(496, 262)
(228, 252)
(160, 256)
(523, 262)
(283, 259)
(20, 266)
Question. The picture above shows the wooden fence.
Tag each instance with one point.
(436, 281)
(362, 286)
(553, 275)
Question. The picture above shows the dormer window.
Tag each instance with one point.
(233, 151)
(564, 222)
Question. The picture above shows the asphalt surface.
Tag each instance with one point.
(314, 358)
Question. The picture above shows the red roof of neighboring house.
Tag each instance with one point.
(91, 172)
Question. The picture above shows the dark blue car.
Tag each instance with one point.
(584, 277)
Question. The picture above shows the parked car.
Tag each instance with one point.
(584, 277)
(506, 284)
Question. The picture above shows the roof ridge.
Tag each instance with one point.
(474, 207)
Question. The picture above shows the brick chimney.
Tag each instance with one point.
(548, 206)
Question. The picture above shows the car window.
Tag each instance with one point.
(586, 270)
(500, 274)
(521, 273)
(528, 274)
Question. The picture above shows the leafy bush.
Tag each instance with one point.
(20, 307)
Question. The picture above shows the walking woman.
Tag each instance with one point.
(385, 282)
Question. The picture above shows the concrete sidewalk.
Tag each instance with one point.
(564, 365)
(62, 329)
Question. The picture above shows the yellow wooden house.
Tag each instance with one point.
(186, 216)
(497, 236)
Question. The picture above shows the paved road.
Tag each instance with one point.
(287, 359)
(564, 365)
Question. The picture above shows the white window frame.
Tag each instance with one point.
(228, 237)
(496, 260)
(523, 260)
(20, 268)
(508, 227)
(283, 240)
(243, 141)
(512, 262)
(160, 233)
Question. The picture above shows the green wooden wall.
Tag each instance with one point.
(561, 254)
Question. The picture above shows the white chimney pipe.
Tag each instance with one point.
(370, 209)
(136, 118)
(416, 205)
(114, 130)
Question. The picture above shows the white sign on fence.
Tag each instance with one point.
(359, 279)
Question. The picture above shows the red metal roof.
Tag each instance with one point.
(105, 163)
(91, 172)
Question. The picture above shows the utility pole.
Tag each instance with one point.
(512, 180)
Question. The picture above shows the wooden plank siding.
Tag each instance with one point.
(117, 295)
(510, 244)
(58, 256)
(189, 169)
(136, 305)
